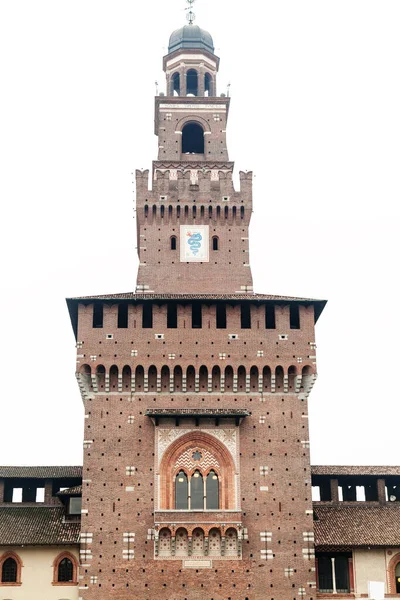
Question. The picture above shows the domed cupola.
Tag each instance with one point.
(190, 37)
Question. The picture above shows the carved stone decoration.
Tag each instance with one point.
(165, 437)
(206, 461)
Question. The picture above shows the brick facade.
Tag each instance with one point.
(195, 379)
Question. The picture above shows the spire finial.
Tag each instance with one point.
(190, 16)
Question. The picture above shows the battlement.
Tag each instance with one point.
(194, 183)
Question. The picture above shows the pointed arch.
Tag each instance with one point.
(65, 569)
(10, 569)
(225, 472)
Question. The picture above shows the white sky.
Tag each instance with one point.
(315, 114)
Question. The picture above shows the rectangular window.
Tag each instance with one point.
(269, 316)
(333, 572)
(196, 315)
(97, 316)
(221, 316)
(75, 505)
(122, 316)
(147, 315)
(172, 315)
(294, 316)
(245, 316)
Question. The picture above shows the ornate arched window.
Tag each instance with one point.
(197, 472)
(10, 568)
(65, 570)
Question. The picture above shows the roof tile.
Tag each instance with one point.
(36, 525)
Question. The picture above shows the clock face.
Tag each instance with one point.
(194, 243)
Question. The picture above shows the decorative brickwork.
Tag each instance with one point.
(196, 451)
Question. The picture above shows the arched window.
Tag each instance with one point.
(397, 574)
(181, 491)
(9, 571)
(196, 491)
(208, 91)
(192, 86)
(176, 84)
(192, 139)
(197, 473)
(215, 244)
(65, 570)
(173, 242)
(212, 491)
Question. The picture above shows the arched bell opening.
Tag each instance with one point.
(192, 139)
(176, 84)
(208, 85)
(192, 83)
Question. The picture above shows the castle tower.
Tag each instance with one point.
(196, 476)
(192, 223)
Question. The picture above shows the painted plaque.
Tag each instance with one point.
(194, 243)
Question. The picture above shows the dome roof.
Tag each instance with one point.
(190, 36)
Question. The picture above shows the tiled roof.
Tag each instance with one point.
(357, 525)
(354, 470)
(151, 296)
(36, 525)
(72, 491)
(40, 472)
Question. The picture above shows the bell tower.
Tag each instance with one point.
(192, 223)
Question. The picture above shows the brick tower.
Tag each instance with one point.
(196, 476)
